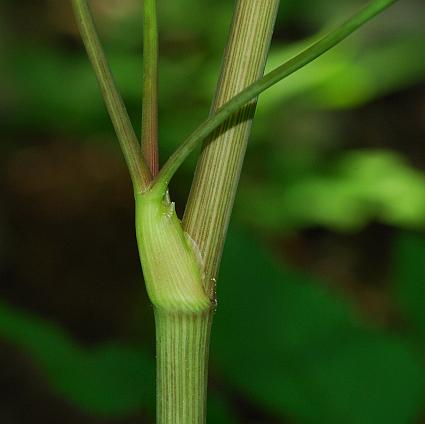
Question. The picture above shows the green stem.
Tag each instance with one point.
(150, 86)
(217, 174)
(182, 358)
(139, 172)
(183, 312)
(252, 91)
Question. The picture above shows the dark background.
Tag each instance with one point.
(321, 311)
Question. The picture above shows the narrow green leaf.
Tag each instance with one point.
(286, 69)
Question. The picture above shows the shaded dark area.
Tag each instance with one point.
(322, 291)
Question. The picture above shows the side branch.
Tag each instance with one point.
(139, 172)
(150, 86)
(297, 62)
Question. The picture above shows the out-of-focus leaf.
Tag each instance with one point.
(362, 186)
(297, 350)
(43, 89)
(112, 379)
(219, 410)
(349, 76)
(365, 78)
(409, 280)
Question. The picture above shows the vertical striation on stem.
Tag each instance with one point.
(217, 174)
(173, 276)
(182, 353)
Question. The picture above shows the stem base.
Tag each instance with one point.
(182, 372)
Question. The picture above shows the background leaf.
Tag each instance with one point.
(409, 281)
(298, 350)
(347, 194)
(111, 379)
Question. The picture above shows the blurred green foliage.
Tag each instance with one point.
(298, 350)
(110, 379)
(349, 76)
(360, 187)
(409, 283)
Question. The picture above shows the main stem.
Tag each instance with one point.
(173, 276)
(183, 336)
(182, 366)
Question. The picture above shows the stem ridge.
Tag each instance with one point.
(217, 174)
(182, 372)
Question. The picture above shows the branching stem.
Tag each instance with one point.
(180, 260)
(297, 62)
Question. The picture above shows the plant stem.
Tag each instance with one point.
(183, 338)
(139, 172)
(180, 261)
(182, 366)
(150, 86)
(217, 173)
(183, 312)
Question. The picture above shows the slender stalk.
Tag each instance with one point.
(139, 172)
(182, 366)
(150, 86)
(241, 99)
